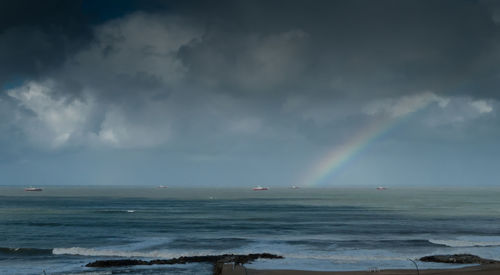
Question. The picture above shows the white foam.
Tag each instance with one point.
(110, 253)
(284, 250)
(99, 252)
(469, 241)
(81, 251)
(349, 258)
(140, 244)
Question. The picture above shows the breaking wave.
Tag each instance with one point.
(81, 251)
(165, 254)
(467, 243)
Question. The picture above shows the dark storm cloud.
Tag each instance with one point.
(144, 71)
(334, 47)
(269, 87)
(370, 48)
(36, 36)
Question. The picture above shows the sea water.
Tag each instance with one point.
(59, 230)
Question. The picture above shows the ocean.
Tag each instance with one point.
(59, 230)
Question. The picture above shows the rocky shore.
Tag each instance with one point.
(458, 259)
(218, 261)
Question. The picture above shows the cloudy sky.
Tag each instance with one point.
(240, 93)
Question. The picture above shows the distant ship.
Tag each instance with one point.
(259, 188)
(380, 188)
(33, 189)
(294, 187)
(162, 186)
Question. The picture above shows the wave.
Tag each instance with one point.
(165, 248)
(350, 258)
(81, 251)
(465, 243)
(166, 254)
(114, 211)
(366, 244)
(24, 251)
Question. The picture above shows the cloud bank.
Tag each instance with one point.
(226, 80)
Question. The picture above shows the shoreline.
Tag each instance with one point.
(486, 269)
(234, 264)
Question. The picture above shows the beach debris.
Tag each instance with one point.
(458, 259)
(415, 263)
(217, 260)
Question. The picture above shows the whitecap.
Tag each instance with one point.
(469, 241)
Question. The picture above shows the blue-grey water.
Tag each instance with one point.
(61, 229)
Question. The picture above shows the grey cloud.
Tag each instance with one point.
(397, 47)
(36, 36)
(248, 63)
(221, 74)
(159, 89)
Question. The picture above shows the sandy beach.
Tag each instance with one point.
(492, 269)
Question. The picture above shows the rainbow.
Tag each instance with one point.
(333, 162)
(338, 157)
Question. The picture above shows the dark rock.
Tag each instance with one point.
(457, 259)
(217, 260)
(111, 263)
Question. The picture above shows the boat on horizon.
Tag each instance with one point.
(381, 188)
(162, 186)
(294, 187)
(33, 189)
(259, 188)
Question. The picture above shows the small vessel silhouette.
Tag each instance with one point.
(33, 189)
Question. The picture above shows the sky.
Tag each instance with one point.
(244, 93)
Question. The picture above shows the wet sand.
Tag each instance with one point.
(490, 269)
